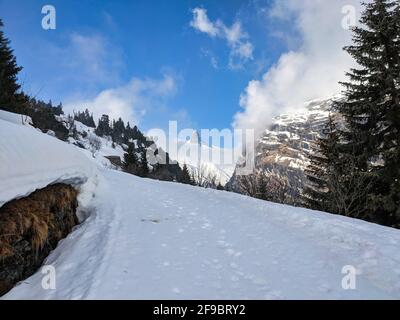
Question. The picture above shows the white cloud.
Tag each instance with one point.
(202, 23)
(93, 57)
(234, 34)
(239, 53)
(236, 38)
(130, 101)
(312, 71)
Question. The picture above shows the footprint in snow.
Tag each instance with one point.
(222, 244)
(233, 253)
(234, 278)
(206, 226)
(151, 220)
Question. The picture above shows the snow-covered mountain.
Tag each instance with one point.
(283, 149)
(198, 156)
(142, 238)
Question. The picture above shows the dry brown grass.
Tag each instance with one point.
(34, 218)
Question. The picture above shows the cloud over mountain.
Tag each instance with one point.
(311, 71)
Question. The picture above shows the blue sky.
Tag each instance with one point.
(206, 64)
(143, 40)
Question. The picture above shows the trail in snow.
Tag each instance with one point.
(157, 240)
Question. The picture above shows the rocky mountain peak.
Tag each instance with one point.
(283, 150)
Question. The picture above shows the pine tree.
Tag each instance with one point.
(10, 97)
(130, 159)
(371, 108)
(58, 110)
(186, 178)
(118, 131)
(89, 121)
(143, 167)
(324, 163)
(85, 117)
(103, 128)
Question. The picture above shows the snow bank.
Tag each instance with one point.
(31, 160)
(15, 118)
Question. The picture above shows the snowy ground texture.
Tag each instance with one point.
(145, 239)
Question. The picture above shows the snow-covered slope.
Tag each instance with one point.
(15, 118)
(30, 160)
(160, 240)
(103, 149)
(97, 148)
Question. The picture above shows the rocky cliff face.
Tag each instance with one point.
(283, 149)
(30, 228)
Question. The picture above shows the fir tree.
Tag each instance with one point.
(103, 128)
(58, 110)
(130, 159)
(118, 131)
(86, 118)
(143, 167)
(371, 108)
(10, 97)
(324, 162)
(185, 178)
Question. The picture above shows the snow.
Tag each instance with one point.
(15, 118)
(31, 160)
(105, 143)
(157, 240)
(146, 239)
